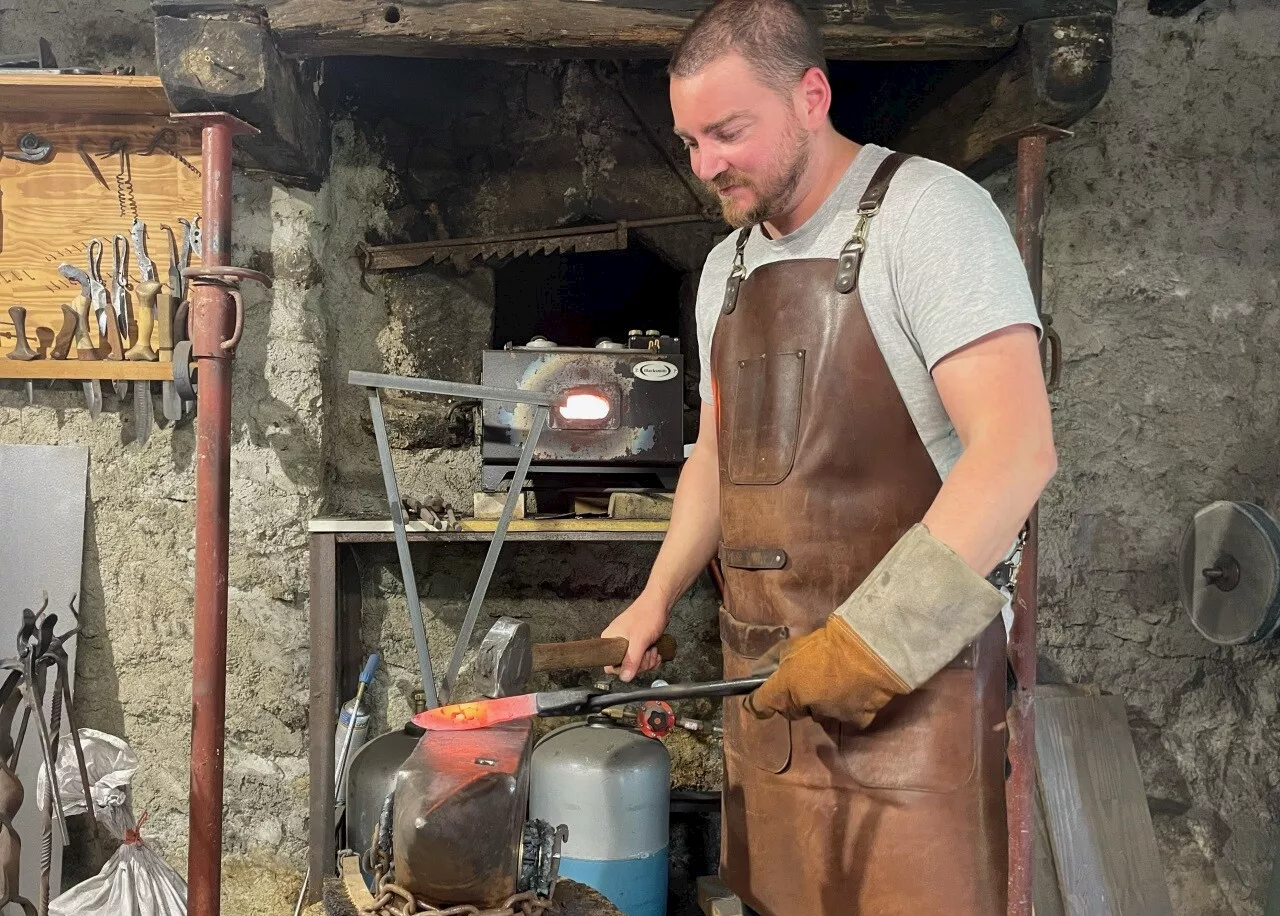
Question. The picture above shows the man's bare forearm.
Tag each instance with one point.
(694, 533)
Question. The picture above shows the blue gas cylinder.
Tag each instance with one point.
(612, 787)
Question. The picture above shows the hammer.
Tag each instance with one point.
(508, 655)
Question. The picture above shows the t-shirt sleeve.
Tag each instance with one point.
(957, 272)
(707, 311)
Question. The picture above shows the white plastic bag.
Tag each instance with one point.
(136, 881)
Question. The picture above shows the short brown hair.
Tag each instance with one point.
(775, 37)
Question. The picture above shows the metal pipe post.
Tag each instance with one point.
(215, 315)
(1020, 791)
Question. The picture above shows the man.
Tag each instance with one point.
(874, 432)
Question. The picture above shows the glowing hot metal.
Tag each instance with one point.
(483, 713)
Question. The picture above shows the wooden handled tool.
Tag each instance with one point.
(592, 653)
(144, 320)
(84, 343)
(574, 702)
(115, 346)
(62, 343)
(507, 656)
(21, 350)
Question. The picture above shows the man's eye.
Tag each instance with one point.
(731, 136)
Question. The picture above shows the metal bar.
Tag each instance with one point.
(322, 604)
(387, 257)
(1020, 788)
(402, 546)
(450, 389)
(212, 319)
(495, 547)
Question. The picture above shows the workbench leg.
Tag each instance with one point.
(322, 724)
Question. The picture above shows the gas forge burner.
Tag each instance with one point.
(618, 418)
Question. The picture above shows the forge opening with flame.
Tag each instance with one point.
(584, 405)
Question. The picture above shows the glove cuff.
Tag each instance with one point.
(919, 607)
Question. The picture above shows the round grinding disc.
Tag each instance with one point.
(1229, 573)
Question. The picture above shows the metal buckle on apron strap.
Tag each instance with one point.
(850, 260)
(737, 274)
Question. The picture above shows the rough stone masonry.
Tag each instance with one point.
(1161, 253)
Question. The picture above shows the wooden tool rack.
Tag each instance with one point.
(336, 617)
(51, 209)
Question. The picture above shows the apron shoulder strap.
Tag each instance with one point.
(738, 273)
(850, 261)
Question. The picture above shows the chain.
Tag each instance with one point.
(1015, 562)
(394, 900)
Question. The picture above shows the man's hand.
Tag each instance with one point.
(830, 673)
(640, 625)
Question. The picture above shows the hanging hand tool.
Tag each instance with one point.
(31, 149)
(166, 308)
(124, 178)
(191, 239)
(578, 701)
(21, 350)
(145, 308)
(84, 345)
(508, 656)
(144, 313)
(90, 164)
(120, 286)
(166, 140)
(108, 327)
(62, 342)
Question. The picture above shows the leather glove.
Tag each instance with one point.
(912, 615)
(830, 673)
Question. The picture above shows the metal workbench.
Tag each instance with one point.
(335, 613)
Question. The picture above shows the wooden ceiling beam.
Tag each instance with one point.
(1058, 73)
(866, 30)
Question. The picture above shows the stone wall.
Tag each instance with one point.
(1161, 276)
(1161, 254)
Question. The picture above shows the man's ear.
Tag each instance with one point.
(812, 97)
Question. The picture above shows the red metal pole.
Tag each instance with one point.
(1020, 791)
(213, 321)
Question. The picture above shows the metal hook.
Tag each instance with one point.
(164, 139)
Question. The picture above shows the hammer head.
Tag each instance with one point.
(506, 658)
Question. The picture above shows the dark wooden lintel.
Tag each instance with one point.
(225, 59)
(1059, 71)
(871, 30)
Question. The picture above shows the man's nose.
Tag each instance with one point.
(707, 163)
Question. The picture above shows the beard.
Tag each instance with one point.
(774, 193)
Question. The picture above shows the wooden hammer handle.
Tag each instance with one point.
(592, 653)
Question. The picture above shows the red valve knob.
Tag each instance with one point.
(656, 719)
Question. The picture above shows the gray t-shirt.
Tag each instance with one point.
(941, 270)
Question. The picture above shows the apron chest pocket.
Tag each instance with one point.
(765, 743)
(767, 398)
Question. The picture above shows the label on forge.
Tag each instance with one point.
(654, 370)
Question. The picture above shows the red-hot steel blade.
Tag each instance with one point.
(478, 714)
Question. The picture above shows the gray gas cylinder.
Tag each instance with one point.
(612, 787)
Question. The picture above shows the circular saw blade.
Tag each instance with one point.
(1229, 573)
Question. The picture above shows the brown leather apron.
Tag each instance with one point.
(821, 471)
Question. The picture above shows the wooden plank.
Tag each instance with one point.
(1096, 808)
(86, 370)
(1046, 896)
(68, 95)
(919, 30)
(322, 609)
(50, 210)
